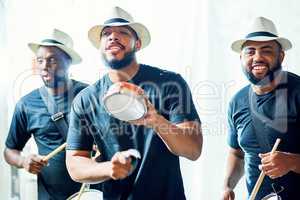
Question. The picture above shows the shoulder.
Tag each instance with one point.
(28, 101)
(240, 97)
(30, 97)
(158, 72)
(91, 93)
(293, 80)
(78, 86)
(161, 77)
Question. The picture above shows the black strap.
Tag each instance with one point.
(56, 116)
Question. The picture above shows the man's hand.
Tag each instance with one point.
(33, 163)
(276, 164)
(228, 194)
(120, 166)
(150, 118)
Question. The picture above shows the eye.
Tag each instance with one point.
(39, 61)
(124, 32)
(53, 61)
(249, 52)
(267, 52)
(105, 33)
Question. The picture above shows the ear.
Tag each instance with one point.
(281, 56)
(138, 44)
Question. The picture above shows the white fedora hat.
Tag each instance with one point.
(58, 39)
(262, 29)
(119, 17)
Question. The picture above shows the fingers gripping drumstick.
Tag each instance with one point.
(55, 151)
(262, 175)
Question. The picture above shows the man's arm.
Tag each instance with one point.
(234, 172)
(31, 163)
(183, 139)
(82, 168)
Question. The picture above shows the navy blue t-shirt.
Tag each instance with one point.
(278, 113)
(31, 118)
(157, 175)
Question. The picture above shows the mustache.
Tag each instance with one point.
(115, 43)
(259, 63)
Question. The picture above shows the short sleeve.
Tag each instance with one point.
(232, 132)
(179, 101)
(79, 136)
(18, 134)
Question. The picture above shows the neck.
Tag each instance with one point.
(260, 90)
(61, 89)
(125, 73)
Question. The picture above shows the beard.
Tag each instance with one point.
(119, 64)
(268, 78)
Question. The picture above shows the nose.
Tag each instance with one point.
(114, 36)
(44, 64)
(257, 57)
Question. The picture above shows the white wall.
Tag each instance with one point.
(191, 37)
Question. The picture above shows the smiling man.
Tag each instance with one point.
(260, 113)
(169, 129)
(32, 117)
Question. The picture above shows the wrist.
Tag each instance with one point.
(293, 160)
(160, 124)
(21, 162)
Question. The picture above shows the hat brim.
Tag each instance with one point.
(285, 43)
(141, 31)
(76, 59)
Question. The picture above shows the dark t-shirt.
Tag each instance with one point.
(31, 117)
(157, 175)
(278, 113)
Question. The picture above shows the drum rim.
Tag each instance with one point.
(85, 191)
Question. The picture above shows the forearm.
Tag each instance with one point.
(86, 170)
(295, 162)
(13, 157)
(234, 171)
(182, 140)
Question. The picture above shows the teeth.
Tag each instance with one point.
(259, 67)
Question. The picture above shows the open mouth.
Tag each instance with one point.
(115, 48)
(259, 68)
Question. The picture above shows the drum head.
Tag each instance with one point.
(125, 106)
(90, 194)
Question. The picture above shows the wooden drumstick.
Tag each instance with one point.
(81, 191)
(262, 175)
(55, 151)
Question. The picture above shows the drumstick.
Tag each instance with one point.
(262, 175)
(81, 191)
(54, 152)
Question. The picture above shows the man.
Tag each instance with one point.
(54, 55)
(260, 113)
(170, 128)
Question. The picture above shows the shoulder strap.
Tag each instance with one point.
(56, 116)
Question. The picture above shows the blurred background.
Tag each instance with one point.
(191, 37)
